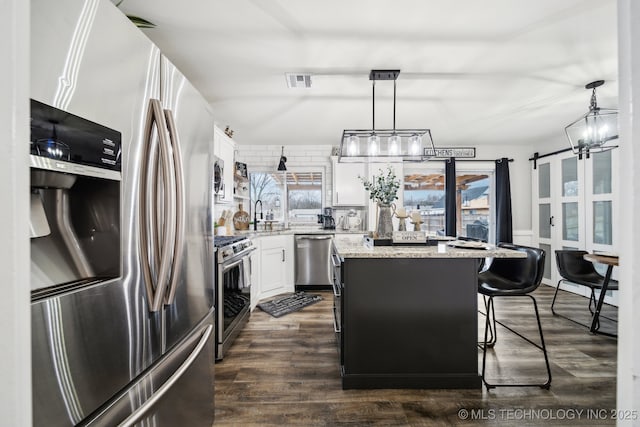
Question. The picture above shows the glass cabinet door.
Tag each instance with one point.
(543, 219)
(600, 213)
(572, 221)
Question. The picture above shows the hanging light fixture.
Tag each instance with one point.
(385, 143)
(282, 166)
(594, 131)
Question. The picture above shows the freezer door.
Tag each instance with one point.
(86, 346)
(178, 391)
(194, 290)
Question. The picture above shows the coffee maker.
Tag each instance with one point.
(326, 219)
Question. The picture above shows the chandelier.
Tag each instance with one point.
(593, 131)
(358, 145)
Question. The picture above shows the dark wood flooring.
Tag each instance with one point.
(285, 372)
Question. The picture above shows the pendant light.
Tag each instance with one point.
(594, 131)
(382, 144)
(282, 166)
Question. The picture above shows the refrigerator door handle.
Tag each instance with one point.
(164, 388)
(180, 202)
(148, 215)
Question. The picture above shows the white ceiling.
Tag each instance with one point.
(474, 72)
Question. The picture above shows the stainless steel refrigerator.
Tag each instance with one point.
(122, 262)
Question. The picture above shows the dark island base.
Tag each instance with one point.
(395, 381)
(410, 323)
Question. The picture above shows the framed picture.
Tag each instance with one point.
(241, 170)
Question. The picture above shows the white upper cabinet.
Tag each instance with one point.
(224, 148)
(347, 187)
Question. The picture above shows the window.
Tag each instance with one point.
(473, 214)
(268, 187)
(424, 191)
(304, 196)
(294, 196)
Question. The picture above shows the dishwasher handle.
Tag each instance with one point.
(321, 237)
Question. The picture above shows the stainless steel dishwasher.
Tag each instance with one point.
(313, 261)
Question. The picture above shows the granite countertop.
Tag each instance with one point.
(350, 248)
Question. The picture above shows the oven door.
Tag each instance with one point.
(233, 300)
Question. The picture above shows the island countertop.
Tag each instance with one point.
(350, 247)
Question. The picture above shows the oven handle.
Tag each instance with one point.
(240, 255)
(231, 265)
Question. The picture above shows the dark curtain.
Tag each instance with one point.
(504, 228)
(450, 197)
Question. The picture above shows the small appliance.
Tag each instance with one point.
(326, 219)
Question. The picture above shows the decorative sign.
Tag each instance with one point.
(445, 153)
(409, 237)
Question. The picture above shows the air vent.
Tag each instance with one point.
(298, 80)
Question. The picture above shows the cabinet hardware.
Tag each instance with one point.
(283, 255)
(551, 221)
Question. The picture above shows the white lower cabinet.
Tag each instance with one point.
(276, 266)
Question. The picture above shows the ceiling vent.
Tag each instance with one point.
(298, 80)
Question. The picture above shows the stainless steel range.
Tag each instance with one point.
(233, 289)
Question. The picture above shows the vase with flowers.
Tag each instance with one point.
(383, 189)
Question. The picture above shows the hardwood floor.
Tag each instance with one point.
(285, 372)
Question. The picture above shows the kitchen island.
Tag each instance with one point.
(406, 317)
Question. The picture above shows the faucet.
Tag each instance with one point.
(255, 212)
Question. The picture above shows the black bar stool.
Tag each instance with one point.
(575, 269)
(512, 277)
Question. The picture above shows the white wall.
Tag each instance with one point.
(628, 396)
(15, 357)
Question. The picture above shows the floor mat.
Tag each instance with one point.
(289, 303)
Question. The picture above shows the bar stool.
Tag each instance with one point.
(512, 277)
(575, 269)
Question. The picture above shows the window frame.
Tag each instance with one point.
(464, 167)
(285, 196)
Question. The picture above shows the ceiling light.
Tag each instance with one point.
(373, 145)
(394, 143)
(594, 131)
(384, 143)
(353, 145)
